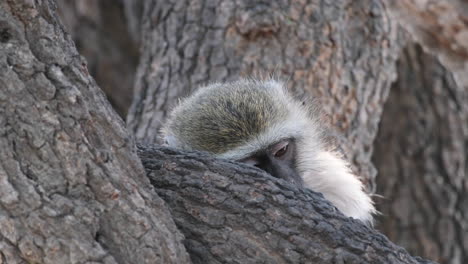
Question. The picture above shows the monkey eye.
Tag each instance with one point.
(281, 149)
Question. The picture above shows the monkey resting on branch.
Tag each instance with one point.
(235, 213)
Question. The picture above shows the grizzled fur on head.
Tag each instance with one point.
(222, 117)
(235, 120)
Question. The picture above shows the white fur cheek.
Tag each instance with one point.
(326, 173)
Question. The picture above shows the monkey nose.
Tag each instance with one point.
(285, 172)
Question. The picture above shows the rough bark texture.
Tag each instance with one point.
(341, 52)
(101, 34)
(423, 143)
(232, 213)
(72, 189)
(441, 27)
(421, 153)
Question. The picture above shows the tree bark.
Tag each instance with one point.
(420, 153)
(340, 52)
(72, 189)
(233, 213)
(423, 139)
(102, 35)
(440, 27)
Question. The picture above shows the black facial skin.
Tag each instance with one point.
(278, 160)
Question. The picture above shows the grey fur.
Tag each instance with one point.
(225, 116)
(235, 120)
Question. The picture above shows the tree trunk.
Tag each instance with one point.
(108, 43)
(72, 189)
(439, 26)
(340, 52)
(421, 157)
(422, 145)
(232, 213)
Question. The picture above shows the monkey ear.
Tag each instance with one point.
(161, 139)
(171, 141)
(165, 141)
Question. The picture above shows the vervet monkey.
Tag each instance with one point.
(261, 124)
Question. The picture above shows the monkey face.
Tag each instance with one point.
(278, 160)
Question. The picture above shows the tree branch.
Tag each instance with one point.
(230, 212)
